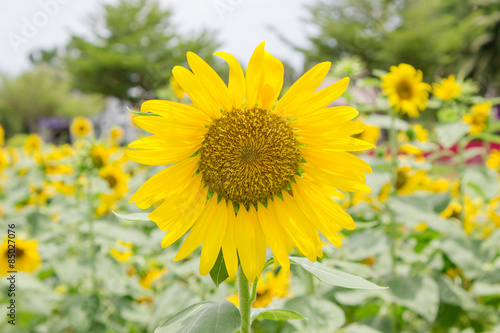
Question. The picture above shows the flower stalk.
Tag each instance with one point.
(245, 301)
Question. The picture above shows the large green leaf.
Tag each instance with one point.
(417, 293)
(332, 276)
(204, 317)
(323, 316)
(275, 314)
(219, 272)
(450, 133)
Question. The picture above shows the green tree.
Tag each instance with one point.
(440, 37)
(41, 92)
(132, 51)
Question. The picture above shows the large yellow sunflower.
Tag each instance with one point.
(250, 172)
(405, 89)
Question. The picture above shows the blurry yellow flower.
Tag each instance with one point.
(240, 195)
(116, 178)
(61, 289)
(477, 118)
(421, 134)
(122, 252)
(64, 188)
(100, 154)
(116, 134)
(151, 276)
(410, 149)
(176, 87)
(4, 158)
(422, 226)
(40, 193)
(26, 255)
(369, 261)
(2, 136)
(494, 159)
(268, 287)
(453, 272)
(405, 89)
(452, 210)
(33, 143)
(448, 89)
(81, 127)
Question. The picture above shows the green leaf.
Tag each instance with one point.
(134, 216)
(276, 314)
(334, 277)
(322, 315)
(143, 114)
(450, 133)
(204, 317)
(219, 272)
(419, 294)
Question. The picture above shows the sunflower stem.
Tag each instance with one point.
(461, 169)
(394, 178)
(245, 301)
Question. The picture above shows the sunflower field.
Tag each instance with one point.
(424, 255)
(237, 198)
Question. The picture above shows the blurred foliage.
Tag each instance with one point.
(132, 50)
(437, 36)
(41, 92)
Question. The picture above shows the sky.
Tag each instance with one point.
(29, 25)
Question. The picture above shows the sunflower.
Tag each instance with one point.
(33, 143)
(116, 134)
(250, 172)
(116, 178)
(477, 118)
(407, 93)
(492, 162)
(448, 89)
(81, 127)
(26, 256)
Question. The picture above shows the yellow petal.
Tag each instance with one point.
(214, 239)
(168, 212)
(323, 98)
(273, 73)
(253, 75)
(297, 228)
(229, 243)
(236, 85)
(338, 144)
(199, 230)
(180, 224)
(351, 182)
(195, 90)
(160, 125)
(177, 112)
(210, 80)
(275, 235)
(170, 180)
(246, 237)
(302, 89)
(160, 150)
(334, 160)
